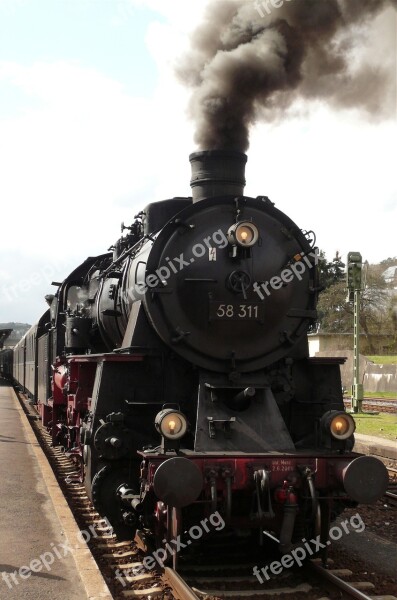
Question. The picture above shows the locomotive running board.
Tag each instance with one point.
(258, 428)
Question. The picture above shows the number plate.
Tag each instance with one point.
(237, 312)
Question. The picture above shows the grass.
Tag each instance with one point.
(382, 425)
(368, 395)
(383, 360)
(385, 395)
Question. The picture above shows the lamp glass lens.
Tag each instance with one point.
(342, 425)
(244, 234)
(171, 424)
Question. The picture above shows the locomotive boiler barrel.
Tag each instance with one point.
(365, 478)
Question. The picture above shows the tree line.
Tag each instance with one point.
(378, 315)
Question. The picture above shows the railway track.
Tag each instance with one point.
(115, 558)
(225, 569)
(219, 570)
(391, 493)
(376, 405)
(314, 581)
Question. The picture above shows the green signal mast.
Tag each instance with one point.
(354, 279)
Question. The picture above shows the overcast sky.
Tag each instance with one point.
(93, 126)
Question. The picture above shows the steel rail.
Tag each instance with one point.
(179, 587)
(338, 582)
(391, 495)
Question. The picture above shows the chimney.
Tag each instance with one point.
(217, 173)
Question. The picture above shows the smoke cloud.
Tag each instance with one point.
(249, 63)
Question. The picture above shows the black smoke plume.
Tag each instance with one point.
(247, 65)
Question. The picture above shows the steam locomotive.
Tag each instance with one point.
(174, 370)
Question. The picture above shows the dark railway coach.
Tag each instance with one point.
(6, 356)
(175, 371)
(6, 363)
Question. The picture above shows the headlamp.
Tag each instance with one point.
(170, 423)
(339, 424)
(244, 234)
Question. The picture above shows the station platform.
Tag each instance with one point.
(376, 446)
(39, 554)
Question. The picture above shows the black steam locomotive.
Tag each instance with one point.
(175, 371)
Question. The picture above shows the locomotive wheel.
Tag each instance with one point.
(112, 441)
(105, 484)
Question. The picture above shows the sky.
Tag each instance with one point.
(94, 126)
